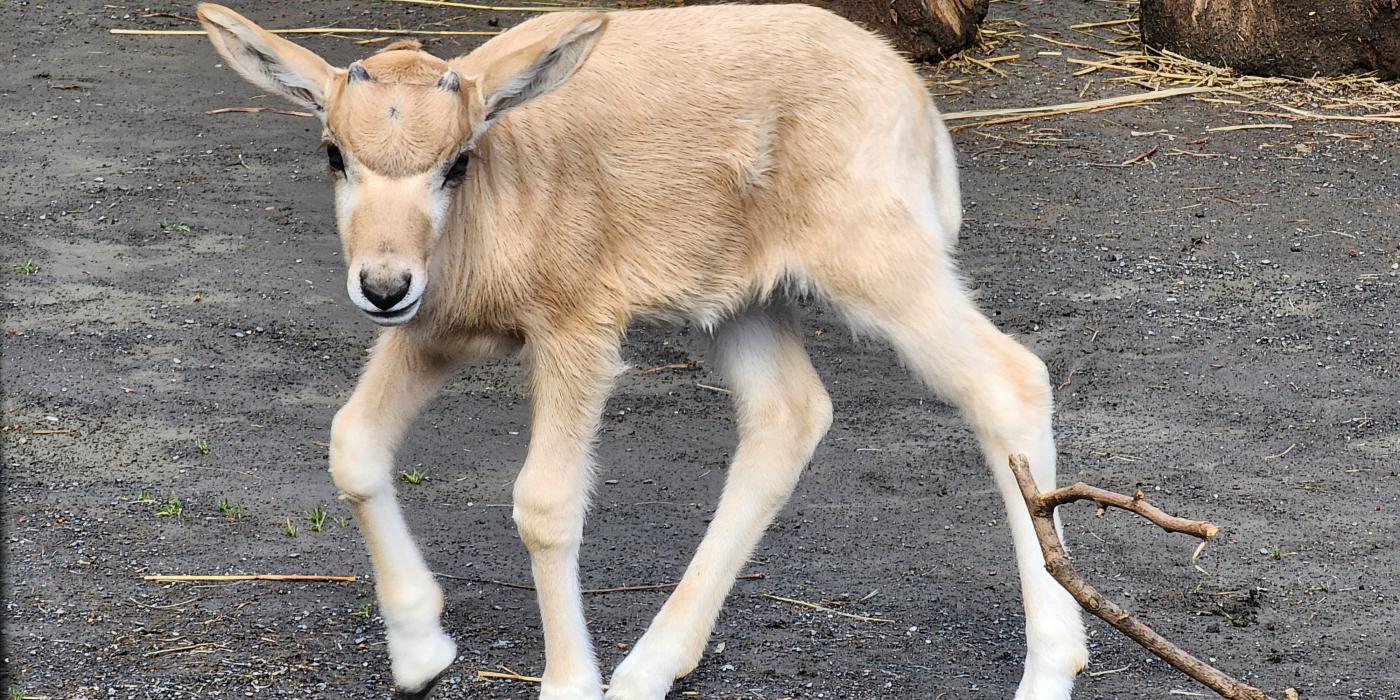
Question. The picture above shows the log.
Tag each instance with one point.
(1300, 38)
(924, 30)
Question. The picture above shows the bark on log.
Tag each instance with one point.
(925, 30)
(1299, 38)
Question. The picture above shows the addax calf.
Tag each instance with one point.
(582, 171)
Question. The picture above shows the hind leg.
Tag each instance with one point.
(1004, 392)
(783, 413)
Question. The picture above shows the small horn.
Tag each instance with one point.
(358, 72)
(450, 82)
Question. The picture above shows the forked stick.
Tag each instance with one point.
(1042, 508)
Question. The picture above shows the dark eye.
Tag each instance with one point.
(457, 170)
(336, 160)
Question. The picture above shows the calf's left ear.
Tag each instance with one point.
(539, 68)
(268, 60)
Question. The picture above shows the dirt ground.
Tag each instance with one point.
(1219, 318)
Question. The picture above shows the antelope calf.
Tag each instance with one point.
(583, 171)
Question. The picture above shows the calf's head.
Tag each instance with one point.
(399, 129)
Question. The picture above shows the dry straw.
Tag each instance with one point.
(543, 7)
(306, 30)
(1122, 59)
(1159, 74)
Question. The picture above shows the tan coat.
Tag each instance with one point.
(583, 171)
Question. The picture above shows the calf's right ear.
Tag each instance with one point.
(267, 60)
(538, 68)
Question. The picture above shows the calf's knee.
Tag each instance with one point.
(815, 416)
(360, 461)
(409, 602)
(1017, 385)
(547, 514)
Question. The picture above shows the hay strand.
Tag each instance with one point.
(1245, 127)
(501, 676)
(493, 8)
(823, 608)
(305, 30)
(1014, 114)
(257, 110)
(249, 577)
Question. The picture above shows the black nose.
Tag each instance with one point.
(382, 292)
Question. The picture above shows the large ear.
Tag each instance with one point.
(267, 60)
(536, 69)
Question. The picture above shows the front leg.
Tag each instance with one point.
(571, 379)
(400, 378)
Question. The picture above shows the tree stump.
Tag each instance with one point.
(924, 30)
(1299, 38)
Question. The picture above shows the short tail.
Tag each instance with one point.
(947, 196)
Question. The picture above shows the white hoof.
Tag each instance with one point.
(588, 690)
(639, 677)
(1051, 677)
(1045, 688)
(417, 659)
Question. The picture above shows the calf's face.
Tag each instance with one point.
(399, 129)
(396, 134)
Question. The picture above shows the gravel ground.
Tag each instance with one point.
(1219, 319)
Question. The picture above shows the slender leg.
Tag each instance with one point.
(1004, 391)
(400, 378)
(783, 413)
(571, 380)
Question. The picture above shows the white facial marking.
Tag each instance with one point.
(438, 204)
(434, 202)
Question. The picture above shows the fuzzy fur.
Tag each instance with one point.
(691, 165)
